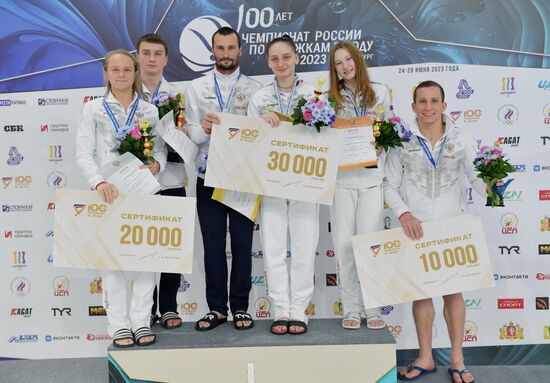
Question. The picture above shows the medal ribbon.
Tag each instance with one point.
(128, 120)
(429, 154)
(280, 101)
(225, 108)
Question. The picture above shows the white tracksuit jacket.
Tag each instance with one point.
(201, 99)
(413, 185)
(174, 173)
(277, 215)
(358, 204)
(95, 147)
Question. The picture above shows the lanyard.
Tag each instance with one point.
(225, 108)
(115, 121)
(156, 91)
(280, 101)
(429, 154)
(352, 98)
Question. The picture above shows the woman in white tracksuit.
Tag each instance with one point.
(277, 215)
(96, 143)
(358, 201)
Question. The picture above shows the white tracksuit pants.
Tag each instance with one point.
(353, 212)
(277, 217)
(117, 290)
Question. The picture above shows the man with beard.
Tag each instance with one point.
(227, 90)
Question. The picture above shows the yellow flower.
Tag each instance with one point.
(143, 124)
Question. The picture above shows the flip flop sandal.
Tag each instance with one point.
(352, 317)
(278, 323)
(142, 332)
(460, 373)
(297, 323)
(170, 315)
(212, 319)
(422, 371)
(375, 317)
(123, 334)
(241, 316)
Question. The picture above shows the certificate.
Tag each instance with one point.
(136, 232)
(247, 155)
(128, 177)
(452, 257)
(245, 203)
(177, 139)
(357, 149)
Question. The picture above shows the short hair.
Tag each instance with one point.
(152, 38)
(429, 84)
(226, 31)
(281, 39)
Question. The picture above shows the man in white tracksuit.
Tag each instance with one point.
(152, 54)
(426, 181)
(227, 90)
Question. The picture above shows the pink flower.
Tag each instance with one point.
(320, 103)
(395, 120)
(312, 100)
(135, 133)
(497, 152)
(483, 148)
(307, 115)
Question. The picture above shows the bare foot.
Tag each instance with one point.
(205, 324)
(425, 364)
(467, 376)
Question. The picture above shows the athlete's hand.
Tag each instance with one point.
(378, 150)
(208, 120)
(271, 118)
(411, 225)
(107, 191)
(154, 167)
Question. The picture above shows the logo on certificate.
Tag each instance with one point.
(78, 208)
(246, 134)
(233, 132)
(392, 247)
(375, 249)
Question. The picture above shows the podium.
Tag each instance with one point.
(326, 353)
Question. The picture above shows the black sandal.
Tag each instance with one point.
(143, 332)
(123, 334)
(170, 315)
(277, 323)
(154, 319)
(297, 323)
(241, 316)
(212, 319)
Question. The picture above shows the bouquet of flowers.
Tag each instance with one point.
(169, 103)
(390, 134)
(138, 141)
(492, 168)
(315, 112)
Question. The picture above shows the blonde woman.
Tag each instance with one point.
(96, 142)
